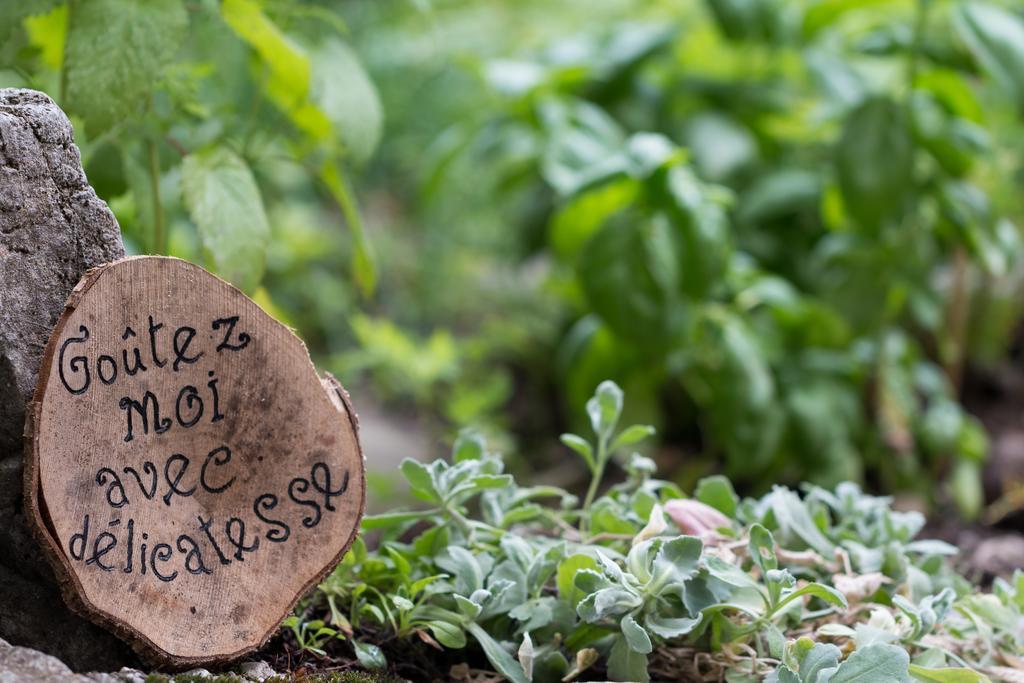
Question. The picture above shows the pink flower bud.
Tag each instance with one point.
(695, 518)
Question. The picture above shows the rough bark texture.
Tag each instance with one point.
(53, 228)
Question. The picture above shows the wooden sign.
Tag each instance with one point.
(189, 474)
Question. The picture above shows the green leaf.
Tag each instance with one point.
(290, 71)
(608, 602)
(874, 161)
(678, 559)
(485, 482)
(737, 390)
(224, 202)
(631, 435)
(670, 627)
(388, 520)
(877, 663)
(344, 92)
(629, 272)
(626, 664)
(816, 590)
(701, 232)
(116, 51)
(590, 580)
(498, 656)
(792, 516)
(420, 481)
(47, 32)
(448, 634)
(947, 675)
(584, 148)
(783, 675)
(996, 38)
(464, 566)
(404, 604)
(820, 657)
(729, 573)
(401, 564)
(581, 446)
(717, 492)
(469, 445)
(604, 408)
(565, 578)
(636, 636)
(762, 549)
(467, 607)
(369, 655)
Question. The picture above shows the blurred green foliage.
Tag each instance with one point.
(784, 227)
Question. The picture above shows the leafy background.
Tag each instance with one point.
(787, 229)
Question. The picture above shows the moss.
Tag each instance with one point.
(194, 678)
(345, 677)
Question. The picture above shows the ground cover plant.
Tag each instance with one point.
(642, 582)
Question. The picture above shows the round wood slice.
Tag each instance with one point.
(187, 471)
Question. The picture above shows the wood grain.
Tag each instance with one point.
(256, 484)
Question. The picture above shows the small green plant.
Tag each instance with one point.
(310, 635)
(828, 586)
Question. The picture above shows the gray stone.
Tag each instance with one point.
(256, 671)
(125, 675)
(129, 675)
(23, 665)
(53, 228)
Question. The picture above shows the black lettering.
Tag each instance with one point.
(137, 365)
(162, 552)
(142, 555)
(302, 485)
(77, 364)
(131, 546)
(217, 415)
(82, 539)
(204, 525)
(153, 328)
(235, 531)
(194, 558)
(325, 487)
(181, 350)
(219, 456)
(150, 469)
(268, 501)
(114, 490)
(172, 485)
(160, 425)
(191, 396)
(113, 369)
(243, 338)
(98, 552)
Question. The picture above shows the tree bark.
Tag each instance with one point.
(53, 228)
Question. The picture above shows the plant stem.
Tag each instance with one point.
(595, 480)
(461, 521)
(159, 236)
